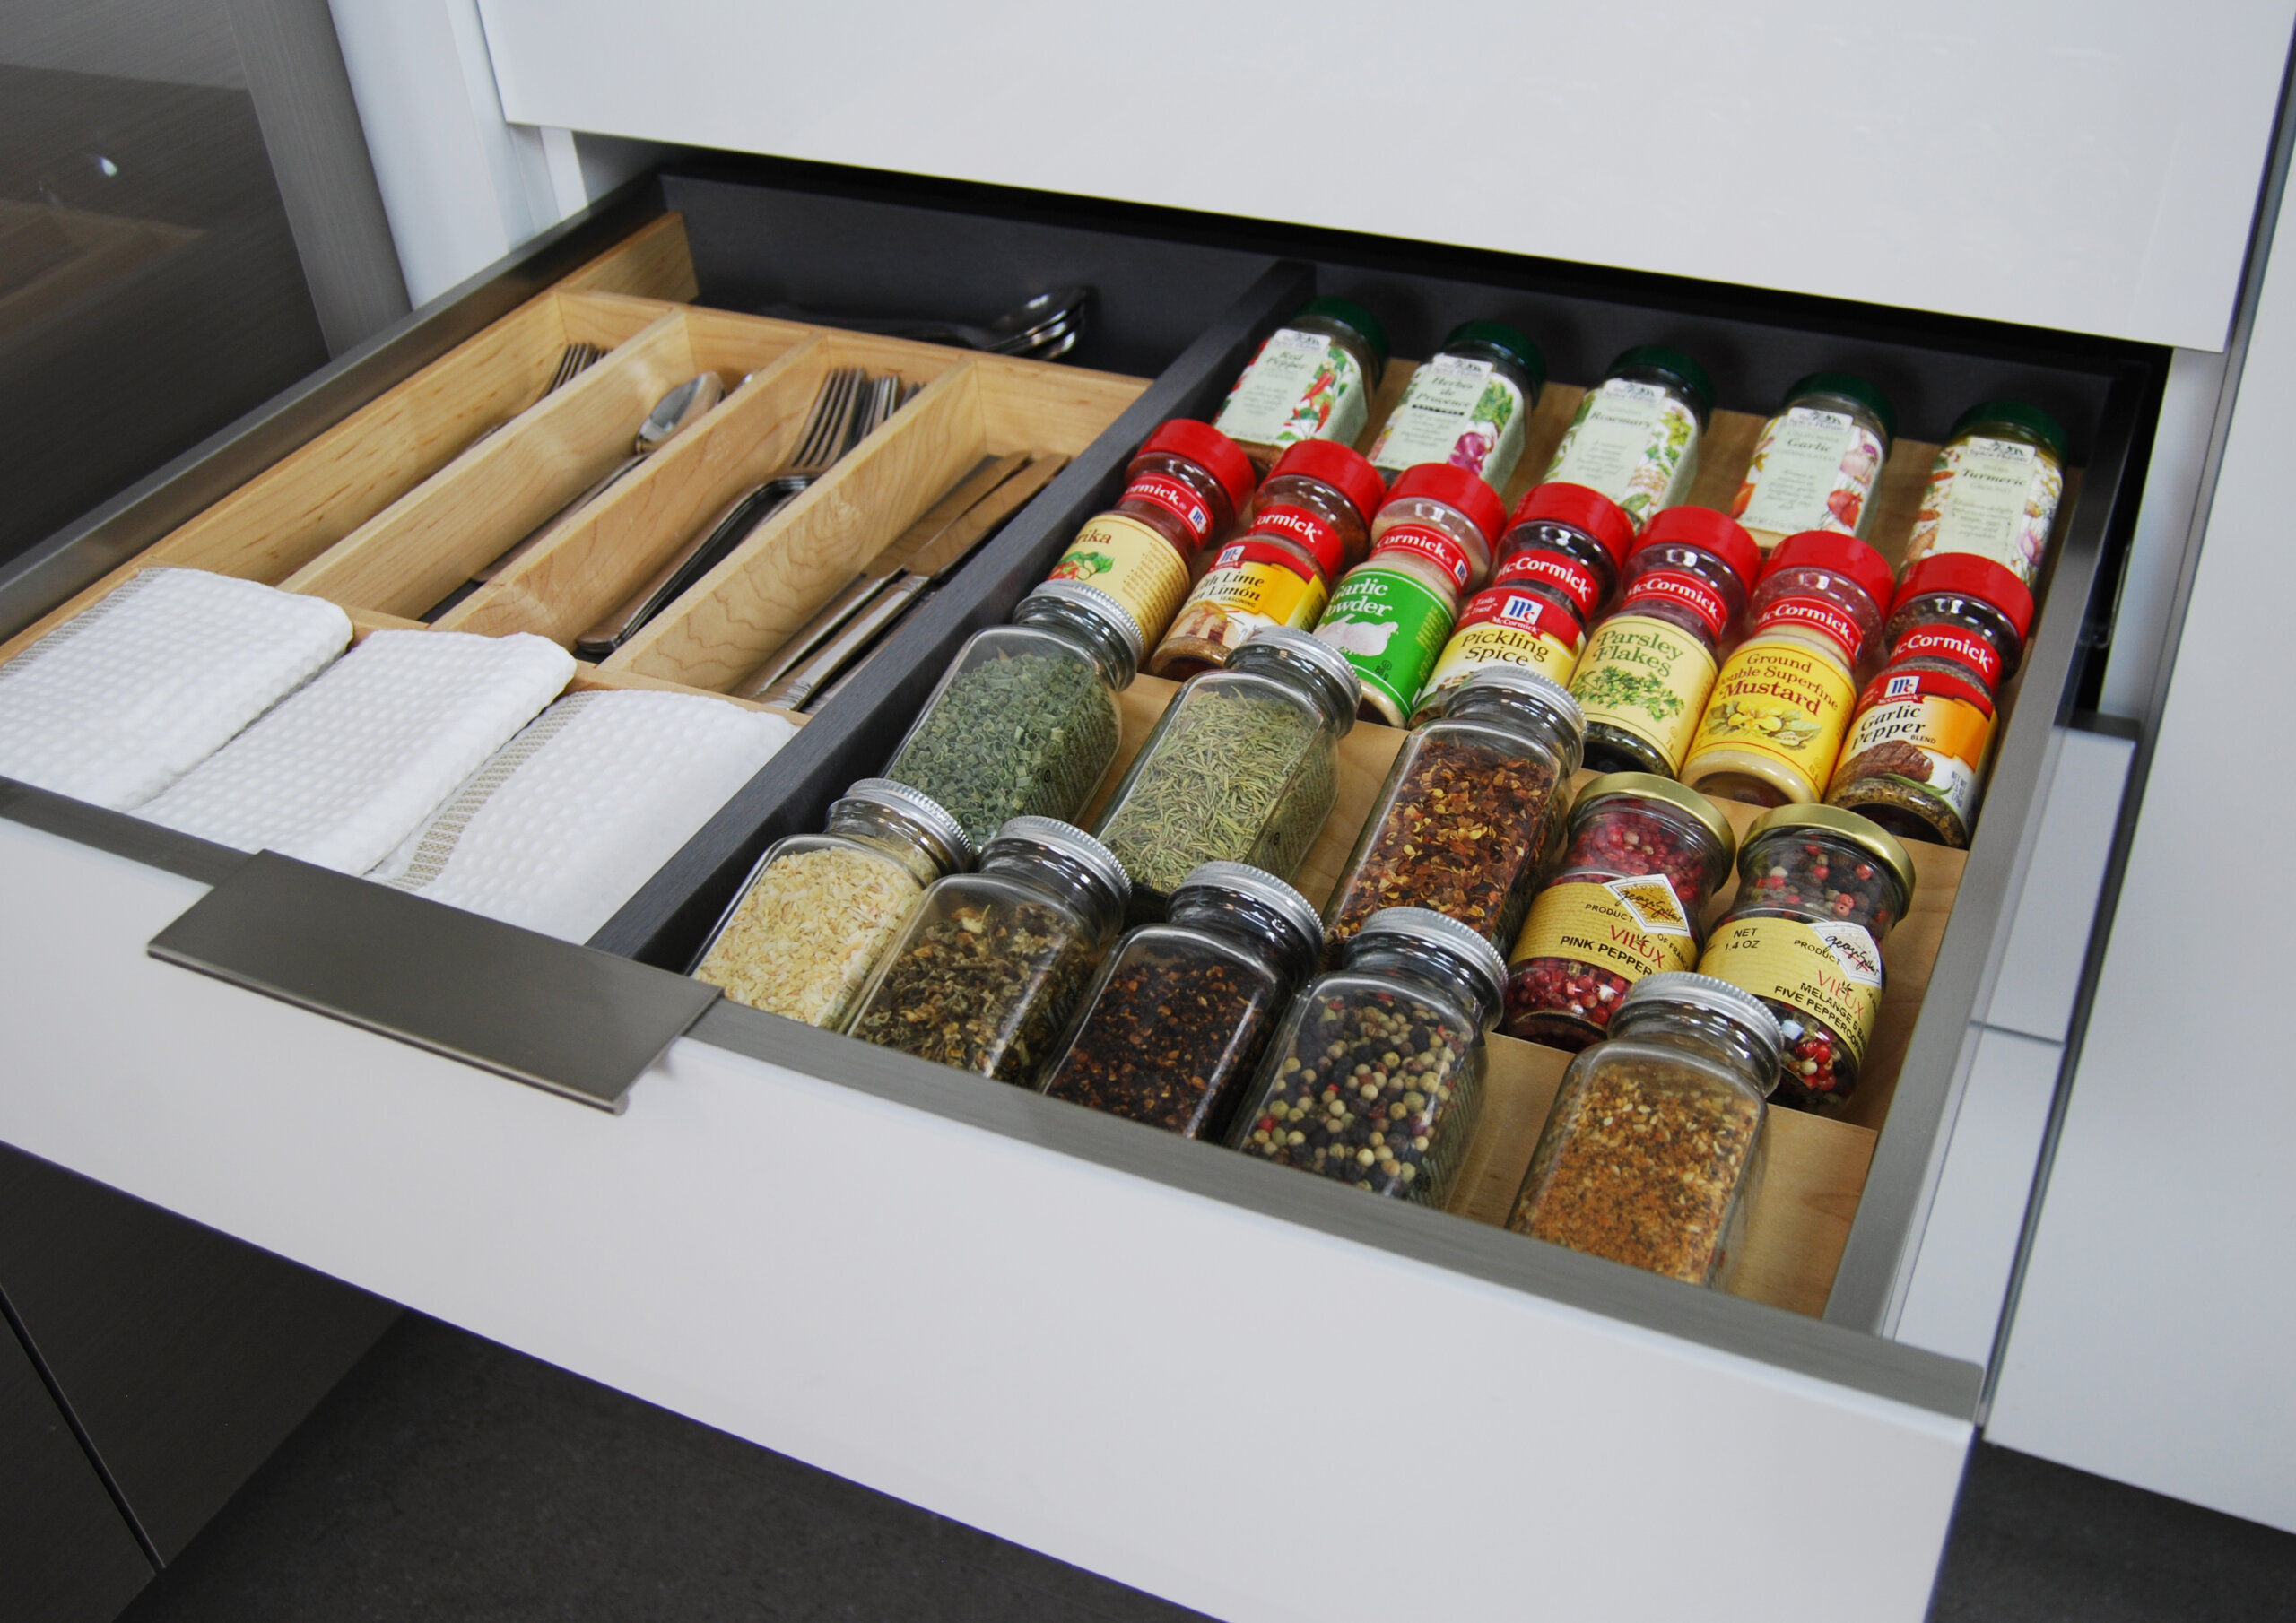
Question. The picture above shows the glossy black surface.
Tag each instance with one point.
(65, 1553)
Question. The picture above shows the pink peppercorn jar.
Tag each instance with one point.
(1645, 858)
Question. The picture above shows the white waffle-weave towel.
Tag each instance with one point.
(345, 768)
(578, 810)
(122, 699)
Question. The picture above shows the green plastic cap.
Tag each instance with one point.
(1850, 386)
(1500, 336)
(1676, 365)
(2017, 414)
(1355, 316)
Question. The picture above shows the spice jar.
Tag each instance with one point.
(1467, 405)
(819, 909)
(1645, 857)
(1652, 1152)
(1635, 434)
(1818, 460)
(1375, 1078)
(1994, 489)
(1818, 890)
(1775, 720)
(1430, 543)
(1024, 722)
(1242, 767)
(984, 974)
(1176, 1020)
(1916, 754)
(1308, 522)
(1648, 668)
(1312, 379)
(1460, 825)
(1557, 561)
(1183, 488)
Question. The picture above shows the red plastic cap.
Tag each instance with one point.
(1970, 576)
(1468, 492)
(1211, 450)
(1717, 532)
(1343, 469)
(1843, 555)
(1582, 510)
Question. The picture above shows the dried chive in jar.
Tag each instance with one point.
(1635, 434)
(1312, 379)
(1467, 405)
(1818, 461)
(1993, 490)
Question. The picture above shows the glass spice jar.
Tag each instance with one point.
(1818, 890)
(1024, 722)
(1460, 826)
(1431, 544)
(1782, 701)
(1818, 461)
(1916, 755)
(1994, 489)
(1629, 900)
(1635, 434)
(1176, 1020)
(984, 974)
(1375, 1078)
(1312, 379)
(1183, 488)
(819, 909)
(1558, 560)
(1652, 1153)
(1242, 767)
(1649, 666)
(1467, 405)
(1307, 523)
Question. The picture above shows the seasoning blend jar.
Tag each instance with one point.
(1467, 405)
(1312, 379)
(1431, 544)
(1994, 489)
(1178, 1017)
(1308, 523)
(1635, 434)
(1460, 825)
(1645, 857)
(1652, 1152)
(1818, 890)
(1183, 488)
(819, 909)
(1024, 720)
(1375, 1078)
(1818, 460)
(1649, 667)
(1242, 767)
(989, 967)
(1916, 754)
(1775, 720)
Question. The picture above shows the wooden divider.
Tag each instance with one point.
(654, 262)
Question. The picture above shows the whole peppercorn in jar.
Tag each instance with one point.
(1467, 404)
(1818, 460)
(1775, 720)
(1635, 434)
(1993, 490)
(1375, 1078)
(1312, 379)
(1172, 1026)
(1645, 858)
(1818, 890)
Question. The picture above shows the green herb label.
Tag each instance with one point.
(1635, 443)
(1455, 411)
(1301, 385)
(1392, 630)
(1646, 677)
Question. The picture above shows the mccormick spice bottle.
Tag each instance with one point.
(1635, 434)
(1818, 461)
(1308, 523)
(1775, 720)
(1467, 405)
(1312, 379)
(1916, 755)
(987, 968)
(1994, 489)
(1431, 544)
(1375, 1077)
(1645, 857)
(1652, 1152)
(1649, 667)
(1183, 489)
(1818, 890)
(819, 909)
(1461, 824)
(1177, 1019)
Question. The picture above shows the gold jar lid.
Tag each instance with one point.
(1649, 786)
(1868, 837)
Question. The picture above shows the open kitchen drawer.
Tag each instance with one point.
(1245, 1388)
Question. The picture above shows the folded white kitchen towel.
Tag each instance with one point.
(569, 818)
(124, 698)
(346, 766)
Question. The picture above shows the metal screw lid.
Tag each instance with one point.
(1715, 996)
(1243, 879)
(1434, 929)
(1049, 833)
(1096, 602)
(1543, 691)
(1313, 651)
(919, 808)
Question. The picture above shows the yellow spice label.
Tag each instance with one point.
(1780, 702)
(1236, 599)
(1645, 677)
(1133, 564)
(1632, 927)
(1831, 972)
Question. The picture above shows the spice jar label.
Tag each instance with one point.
(1509, 627)
(1811, 470)
(1994, 498)
(1456, 411)
(1647, 678)
(1175, 497)
(1249, 585)
(1782, 703)
(1944, 642)
(1925, 730)
(1132, 563)
(1566, 575)
(1310, 529)
(1632, 927)
(1634, 442)
(1819, 615)
(1680, 586)
(1425, 541)
(1391, 627)
(1831, 972)
(1301, 385)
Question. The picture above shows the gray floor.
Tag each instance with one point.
(449, 1478)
